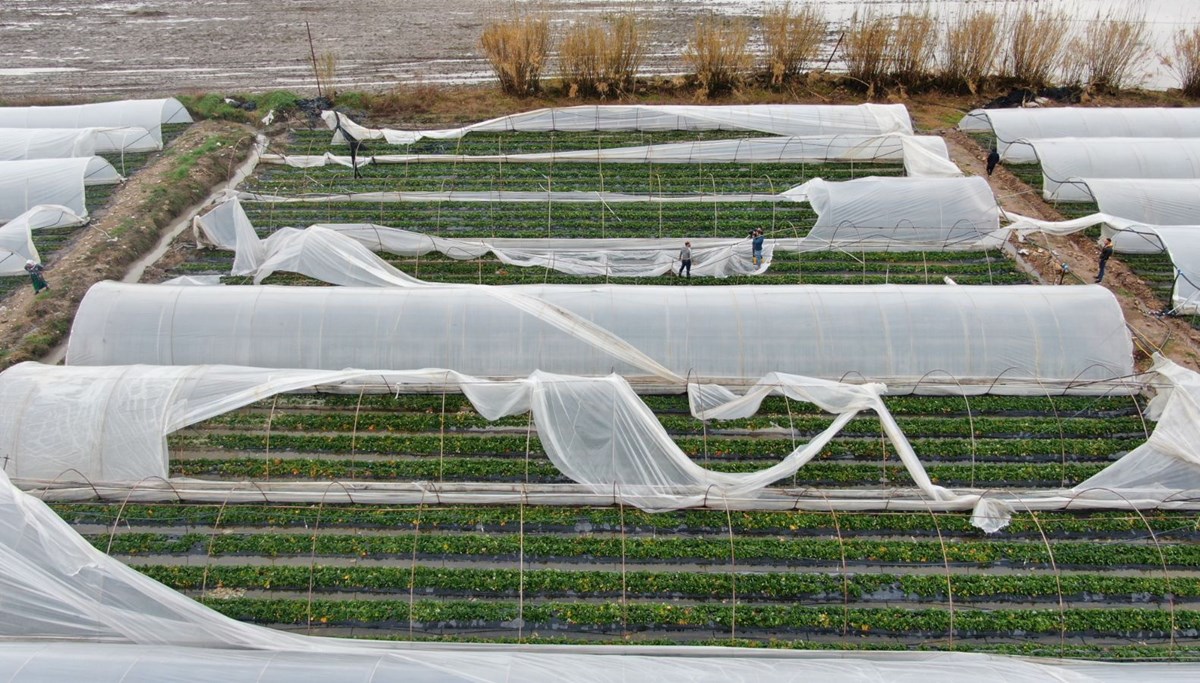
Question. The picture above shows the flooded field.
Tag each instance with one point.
(93, 48)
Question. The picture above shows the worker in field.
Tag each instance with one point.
(35, 271)
(756, 245)
(685, 259)
(1106, 252)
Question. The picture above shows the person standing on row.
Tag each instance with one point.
(1106, 253)
(35, 271)
(756, 244)
(685, 259)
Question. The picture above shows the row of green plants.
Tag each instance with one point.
(490, 469)
(796, 551)
(482, 143)
(800, 424)
(629, 178)
(525, 443)
(985, 404)
(1095, 525)
(751, 587)
(1140, 624)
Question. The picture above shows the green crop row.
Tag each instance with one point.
(1128, 623)
(795, 551)
(514, 445)
(914, 427)
(552, 518)
(775, 587)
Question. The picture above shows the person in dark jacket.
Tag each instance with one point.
(685, 259)
(993, 160)
(35, 271)
(1106, 253)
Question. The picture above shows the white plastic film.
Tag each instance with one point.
(26, 184)
(1011, 125)
(16, 236)
(145, 114)
(1157, 201)
(1066, 162)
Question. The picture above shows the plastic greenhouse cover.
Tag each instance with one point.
(74, 613)
(1183, 245)
(923, 155)
(1157, 201)
(910, 335)
(1067, 160)
(110, 424)
(25, 184)
(16, 236)
(886, 213)
(1011, 125)
(775, 119)
(63, 143)
(147, 114)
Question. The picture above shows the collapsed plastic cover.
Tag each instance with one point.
(74, 613)
(775, 119)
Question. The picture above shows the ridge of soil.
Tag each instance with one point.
(145, 204)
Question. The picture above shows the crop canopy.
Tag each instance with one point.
(25, 184)
(1012, 125)
(905, 336)
(146, 114)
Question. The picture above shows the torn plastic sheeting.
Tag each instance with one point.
(775, 119)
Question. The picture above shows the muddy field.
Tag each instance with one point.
(72, 49)
(93, 49)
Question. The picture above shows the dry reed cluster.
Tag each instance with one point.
(1025, 45)
(517, 49)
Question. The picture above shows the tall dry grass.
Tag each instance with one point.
(792, 37)
(971, 48)
(1185, 61)
(865, 46)
(1036, 45)
(718, 55)
(1113, 46)
(602, 58)
(517, 50)
(325, 71)
(913, 47)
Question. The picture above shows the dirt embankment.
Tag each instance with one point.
(180, 176)
(1173, 337)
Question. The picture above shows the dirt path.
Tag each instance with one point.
(142, 207)
(1173, 337)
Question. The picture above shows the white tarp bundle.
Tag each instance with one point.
(74, 613)
(1012, 125)
(774, 119)
(63, 143)
(25, 184)
(1066, 161)
(16, 236)
(904, 213)
(1156, 201)
(912, 335)
(145, 114)
(923, 155)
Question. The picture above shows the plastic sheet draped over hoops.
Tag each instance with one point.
(1155, 201)
(1065, 161)
(1011, 125)
(923, 156)
(145, 114)
(18, 144)
(16, 236)
(26, 184)
(111, 423)
(914, 336)
(775, 119)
